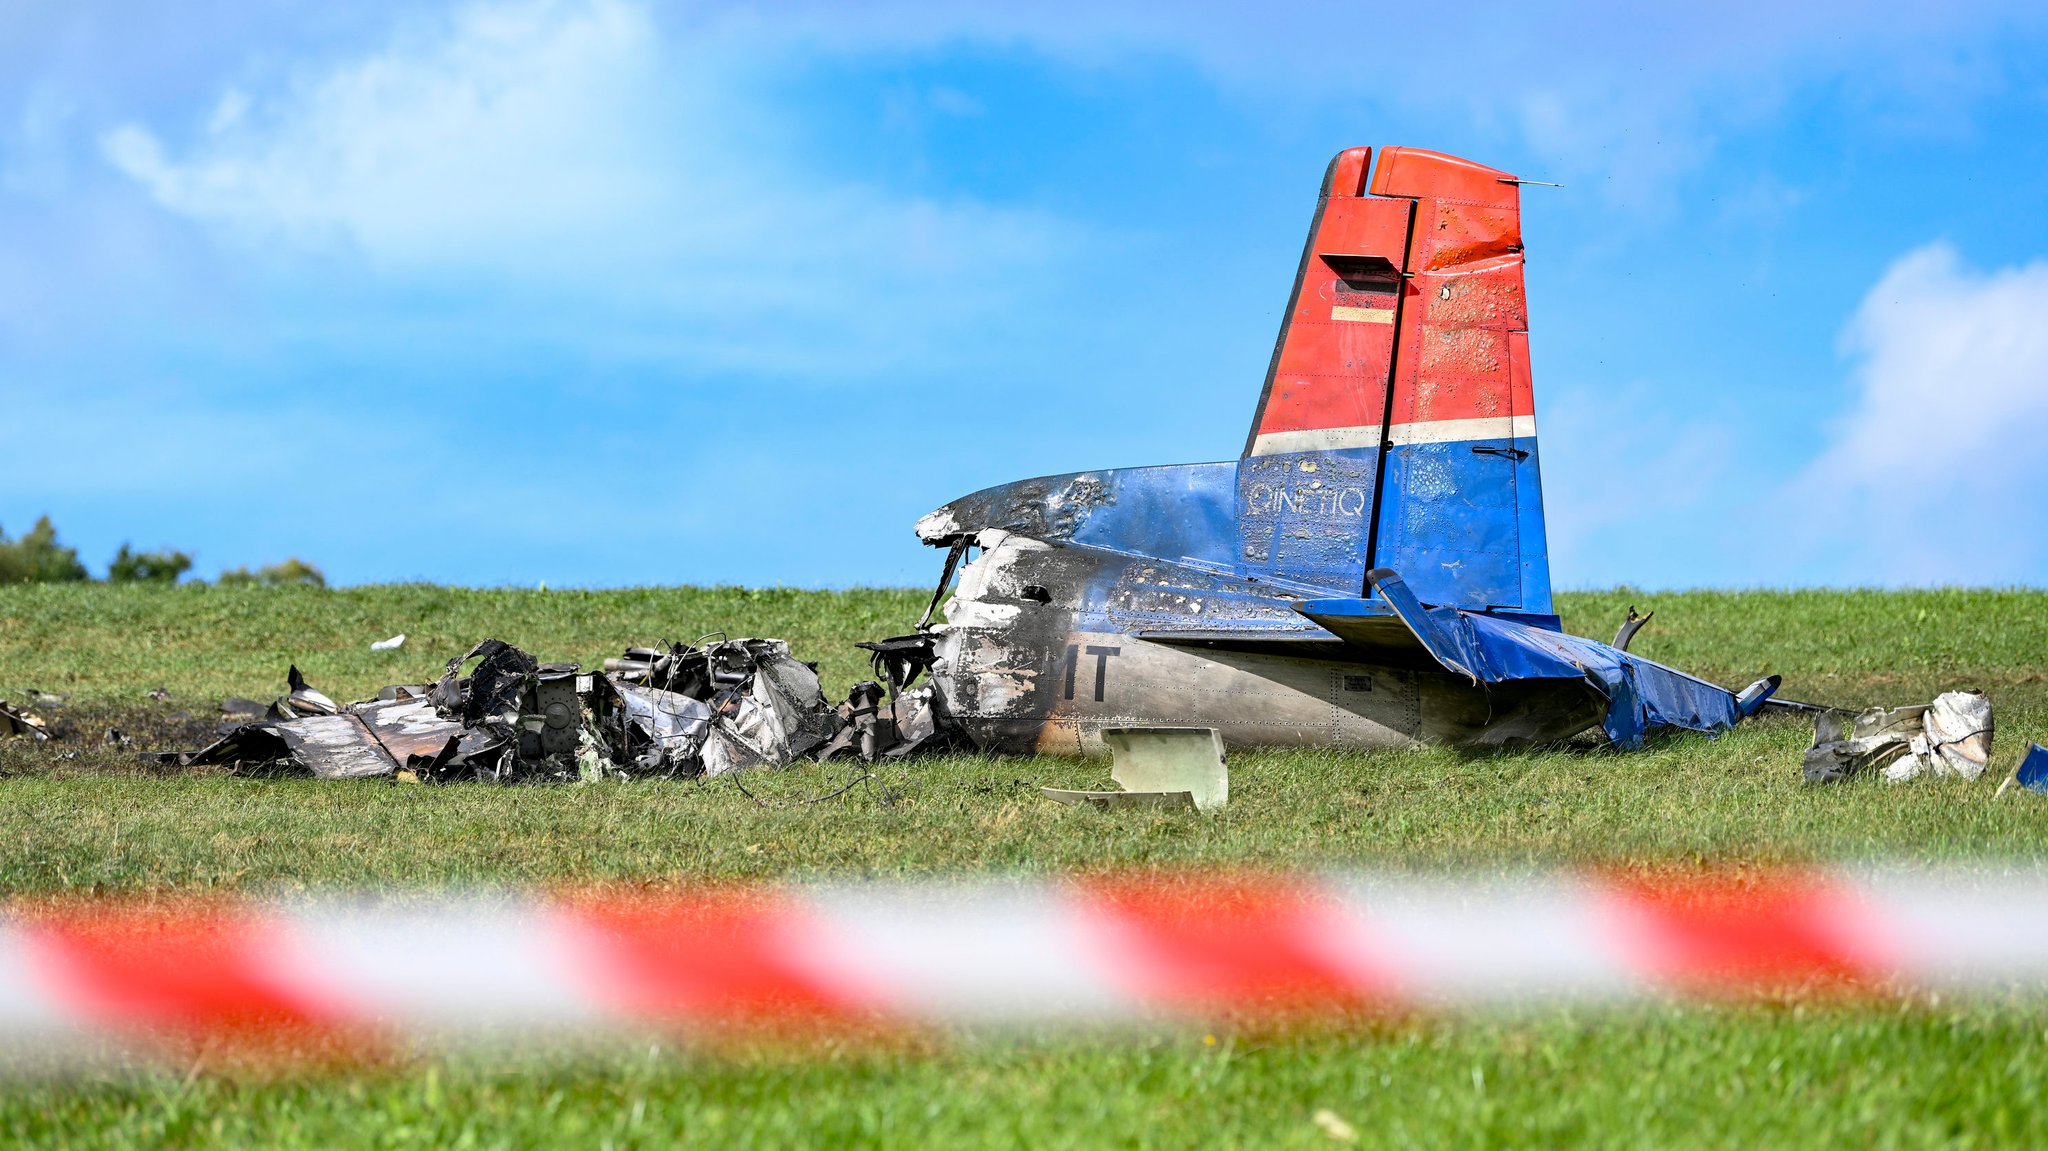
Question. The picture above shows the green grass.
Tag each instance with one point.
(1738, 798)
(1922, 1074)
(115, 642)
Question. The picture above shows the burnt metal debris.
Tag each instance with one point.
(1951, 736)
(16, 722)
(498, 714)
(1629, 627)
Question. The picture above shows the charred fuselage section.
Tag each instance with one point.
(1046, 640)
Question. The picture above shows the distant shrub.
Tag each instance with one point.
(37, 557)
(293, 572)
(147, 567)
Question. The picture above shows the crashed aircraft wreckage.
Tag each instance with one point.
(1371, 571)
(686, 711)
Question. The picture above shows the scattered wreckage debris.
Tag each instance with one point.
(1171, 767)
(700, 710)
(305, 700)
(725, 706)
(392, 644)
(1951, 736)
(15, 722)
(2032, 773)
(1629, 627)
(918, 721)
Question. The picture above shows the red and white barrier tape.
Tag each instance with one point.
(933, 953)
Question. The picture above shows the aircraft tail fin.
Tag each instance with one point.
(1403, 363)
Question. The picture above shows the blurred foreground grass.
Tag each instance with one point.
(1769, 1076)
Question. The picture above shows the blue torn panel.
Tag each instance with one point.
(1496, 649)
(2033, 772)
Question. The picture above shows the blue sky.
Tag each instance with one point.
(597, 293)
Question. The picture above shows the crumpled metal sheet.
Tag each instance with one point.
(362, 741)
(1640, 694)
(915, 721)
(673, 725)
(864, 728)
(792, 689)
(1951, 736)
(1958, 736)
(1845, 745)
(408, 729)
(335, 747)
(919, 723)
(490, 694)
(249, 743)
(403, 729)
(305, 699)
(775, 714)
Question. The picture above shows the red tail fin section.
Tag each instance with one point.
(1327, 385)
(1465, 298)
(1407, 338)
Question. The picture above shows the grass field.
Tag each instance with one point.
(78, 817)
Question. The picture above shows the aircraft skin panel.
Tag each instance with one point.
(1535, 547)
(1175, 511)
(1300, 519)
(1253, 700)
(1452, 521)
(1451, 517)
(1289, 520)
(1303, 516)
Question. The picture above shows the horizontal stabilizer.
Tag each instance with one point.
(1373, 631)
(1488, 649)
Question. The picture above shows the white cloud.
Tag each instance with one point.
(544, 132)
(499, 126)
(567, 152)
(1936, 474)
